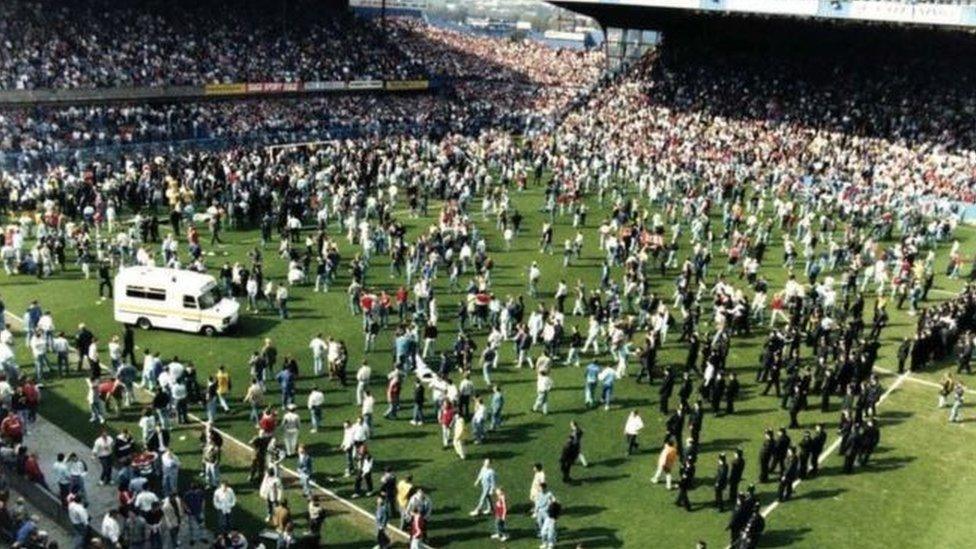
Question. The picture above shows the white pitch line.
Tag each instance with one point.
(836, 444)
(290, 471)
(920, 381)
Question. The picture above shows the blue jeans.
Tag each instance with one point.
(169, 483)
(496, 419)
(607, 394)
(541, 402)
(40, 365)
(223, 522)
(316, 415)
(418, 413)
(588, 392)
(80, 533)
(211, 409)
(484, 500)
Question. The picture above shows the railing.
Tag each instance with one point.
(43, 500)
(34, 159)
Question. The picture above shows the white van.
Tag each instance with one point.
(155, 297)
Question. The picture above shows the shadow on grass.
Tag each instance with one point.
(253, 326)
(783, 537)
(821, 494)
(593, 538)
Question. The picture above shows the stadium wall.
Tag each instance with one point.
(13, 98)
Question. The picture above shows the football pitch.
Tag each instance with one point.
(917, 491)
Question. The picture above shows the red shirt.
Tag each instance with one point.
(401, 295)
(393, 390)
(447, 416)
(417, 526)
(12, 427)
(501, 508)
(32, 469)
(31, 395)
(106, 388)
(268, 422)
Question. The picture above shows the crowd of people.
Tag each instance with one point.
(512, 75)
(38, 134)
(695, 172)
(58, 45)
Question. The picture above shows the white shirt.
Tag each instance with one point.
(318, 347)
(144, 501)
(316, 398)
(362, 375)
(543, 384)
(111, 528)
(224, 499)
(634, 425)
(102, 446)
(77, 513)
(290, 421)
(38, 346)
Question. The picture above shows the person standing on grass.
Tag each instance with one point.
(608, 376)
(736, 469)
(548, 531)
(632, 428)
(568, 456)
(686, 482)
(958, 394)
(271, 491)
(362, 381)
(382, 519)
(487, 479)
(446, 417)
(666, 461)
(224, 501)
(497, 405)
(721, 481)
(95, 403)
(319, 348)
(418, 529)
(460, 434)
(540, 506)
(789, 475)
(364, 475)
(290, 427)
(394, 383)
(315, 402)
(543, 387)
(418, 404)
(500, 509)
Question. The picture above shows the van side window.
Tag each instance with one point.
(189, 302)
(156, 294)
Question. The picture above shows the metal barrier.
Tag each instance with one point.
(43, 500)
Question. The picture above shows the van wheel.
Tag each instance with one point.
(143, 323)
(209, 331)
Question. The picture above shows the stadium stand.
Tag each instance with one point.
(100, 44)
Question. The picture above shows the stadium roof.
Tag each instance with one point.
(958, 15)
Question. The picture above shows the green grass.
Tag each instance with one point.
(918, 489)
